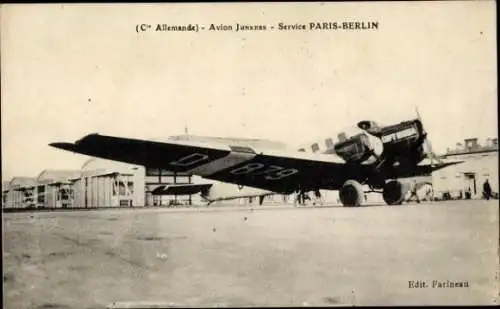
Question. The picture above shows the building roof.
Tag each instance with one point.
(471, 145)
(47, 176)
(98, 166)
(22, 182)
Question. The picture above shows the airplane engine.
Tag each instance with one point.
(371, 127)
(351, 193)
(360, 148)
(395, 191)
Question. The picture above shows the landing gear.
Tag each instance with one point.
(301, 198)
(351, 194)
(395, 192)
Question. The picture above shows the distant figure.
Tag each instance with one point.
(296, 199)
(414, 192)
(301, 197)
(318, 198)
(428, 194)
(305, 197)
(468, 193)
(486, 190)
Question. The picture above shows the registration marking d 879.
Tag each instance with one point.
(272, 172)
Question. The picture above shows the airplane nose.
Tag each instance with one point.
(364, 125)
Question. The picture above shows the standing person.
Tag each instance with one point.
(414, 192)
(296, 199)
(486, 190)
(305, 197)
(428, 194)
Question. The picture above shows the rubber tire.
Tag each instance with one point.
(351, 194)
(395, 185)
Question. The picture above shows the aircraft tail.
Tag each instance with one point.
(182, 189)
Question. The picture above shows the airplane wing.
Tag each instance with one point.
(424, 169)
(273, 170)
(180, 189)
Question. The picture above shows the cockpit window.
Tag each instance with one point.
(329, 143)
(314, 147)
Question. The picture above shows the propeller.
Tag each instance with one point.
(427, 144)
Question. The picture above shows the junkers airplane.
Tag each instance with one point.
(379, 157)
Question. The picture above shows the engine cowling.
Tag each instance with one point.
(351, 194)
(395, 192)
(359, 148)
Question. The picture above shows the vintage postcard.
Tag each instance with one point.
(249, 154)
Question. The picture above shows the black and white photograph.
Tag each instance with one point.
(251, 154)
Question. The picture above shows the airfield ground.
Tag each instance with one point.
(271, 256)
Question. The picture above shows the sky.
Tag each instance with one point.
(71, 70)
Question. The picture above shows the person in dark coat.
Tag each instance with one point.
(486, 190)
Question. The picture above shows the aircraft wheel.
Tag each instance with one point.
(351, 194)
(395, 192)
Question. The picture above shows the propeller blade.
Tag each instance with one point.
(432, 153)
(418, 114)
(427, 144)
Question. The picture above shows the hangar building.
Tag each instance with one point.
(99, 183)
(480, 163)
(107, 183)
(53, 188)
(19, 192)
